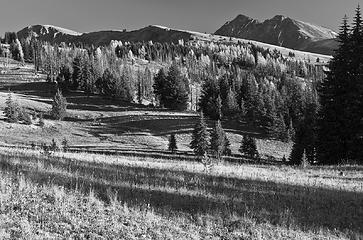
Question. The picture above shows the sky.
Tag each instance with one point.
(197, 15)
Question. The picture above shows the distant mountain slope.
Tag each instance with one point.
(160, 34)
(56, 35)
(49, 33)
(280, 31)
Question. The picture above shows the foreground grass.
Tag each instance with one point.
(31, 211)
(249, 201)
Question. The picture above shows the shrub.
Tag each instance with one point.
(25, 117)
(46, 149)
(65, 145)
(53, 146)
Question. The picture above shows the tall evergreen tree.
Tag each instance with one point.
(12, 109)
(219, 141)
(339, 126)
(160, 86)
(173, 89)
(200, 137)
(77, 72)
(210, 102)
(59, 106)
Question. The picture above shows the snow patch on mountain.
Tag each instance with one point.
(46, 29)
(315, 32)
(63, 30)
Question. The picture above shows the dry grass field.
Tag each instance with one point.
(231, 202)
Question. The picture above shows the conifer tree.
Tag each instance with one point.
(219, 142)
(41, 120)
(77, 73)
(249, 147)
(160, 86)
(86, 78)
(12, 109)
(304, 160)
(219, 107)
(279, 129)
(339, 126)
(59, 106)
(210, 102)
(172, 143)
(200, 138)
(173, 89)
(290, 132)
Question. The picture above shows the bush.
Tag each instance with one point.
(65, 145)
(25, 117)
(53, 146)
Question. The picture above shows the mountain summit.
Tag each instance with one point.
(48, 33)
(281, 31)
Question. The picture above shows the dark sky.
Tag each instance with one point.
(197, 15)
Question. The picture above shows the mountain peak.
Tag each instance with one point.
(241, 16)
(46, 29)
(278, 18)
(279, 30)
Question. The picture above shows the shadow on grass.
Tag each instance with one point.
(196, 193)
(163, 125)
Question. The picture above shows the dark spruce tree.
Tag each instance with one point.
(172, 143)
(64, 78)
(305, 139)
(340, 123)
(77, 73)
(356, 89)
(172, 90)
(200, 138)
(159, 86)
(210, 101)
(249, 147)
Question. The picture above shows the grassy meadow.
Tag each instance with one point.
(231, 202)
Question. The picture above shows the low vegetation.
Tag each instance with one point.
(248, 201)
